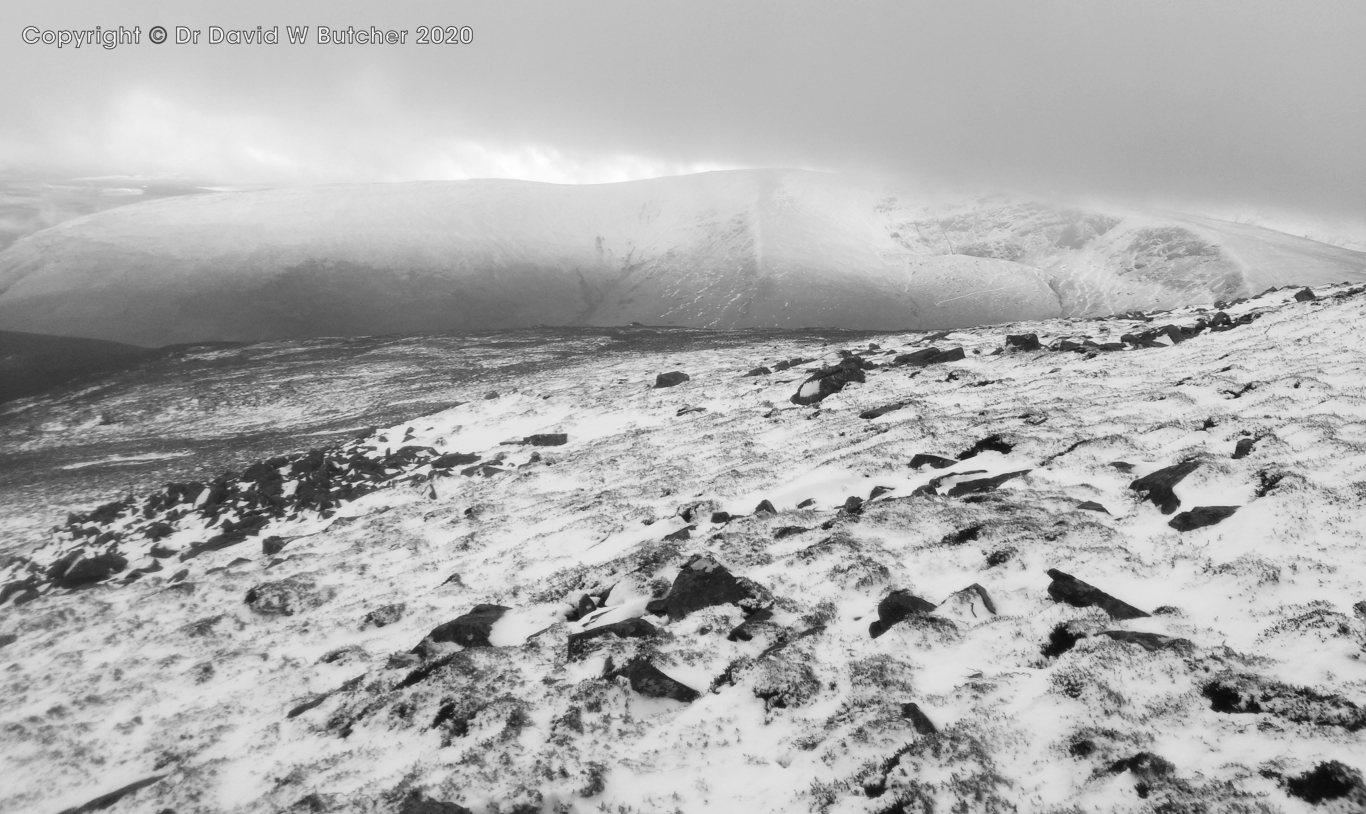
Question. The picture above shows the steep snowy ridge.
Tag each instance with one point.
(1106, 564)
(739, 249)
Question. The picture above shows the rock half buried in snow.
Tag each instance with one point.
(286, 597)
(1152, 642)
(469, 630)
(921, 722)
(921, 459)
(1157, 487)
(877, 412)
(1243, 448)
(419, 803)
(1078, 594)
(980, 485)
(547, 439)
(649, 680)
(828, 381)
(625, 629)
(106, 800)
(671, 379)
(1253, 694)
(1023, 341)
(701, 583)
(897, 606)
(1201, 516)
(928, 356)
(971, 605)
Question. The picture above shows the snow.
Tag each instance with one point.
(116, 682)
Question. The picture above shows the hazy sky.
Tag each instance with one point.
(1206, 101)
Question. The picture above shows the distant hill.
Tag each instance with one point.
(32, 363)
(738, 249)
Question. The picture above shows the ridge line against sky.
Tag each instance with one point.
(1225, 104)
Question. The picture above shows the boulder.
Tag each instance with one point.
(759, 371)
(897, 606)
(1158, 486)
(919, 720)
(828, 381)
(1305, 295)
(625, 629)
(418, 803)
(650, 681)
(671, 379)
(469, 630)
(91, 570)
(547, 439)
(928, 356)
(981, 485)
(273, 545)
(765, 507)
(1026, 342)
(1092, 506)
(877, 412)
(1201, 516)
(1078, 594)
(1243, 448)
(702, 583)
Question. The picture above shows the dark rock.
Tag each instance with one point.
(884, 410)
(648, 680)
(1152, 642)
(828, 381)
(1122, 466)
(468, 630)
(981, 485)
(929, 356)
(547, 439)
(1083, 748)
(1305, 295)
(1078, 594)
(453, 459)
(853, 505)
(920, 459)
(919, 720)
(759, 371)
(1023, 341)
(273, 545)
(1243, 448)
(1157, 487)
(720, 517)
(671, 379)
(992, 443)
(7, 639)
(964, 535)
(384, 615)
(484, 470)
(878, 491)
(106, 800)
(897, 606)
(682, 534)
(788, 531)
(418, 803)
(701, 583)
(582, 608)
(1201, 516)
(1328, 781)
(285, 598)
(808, 502)
(765, 507)
(1060, 640)
(1092, 506)
(1147, 768)
(91, 570)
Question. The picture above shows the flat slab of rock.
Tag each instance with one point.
(671, 379)
(1078, 594)
(106, 800)
(419, 803)
(650, 681)
(934, 461)
(547, 439)
(828, 381)
(1157, 487)
(877, 412)
(471, 629)
(981, 485)
(1201, 516)
(625, 629)
(1152, 642)
(928, 356)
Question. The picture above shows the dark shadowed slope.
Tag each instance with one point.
(32, 363)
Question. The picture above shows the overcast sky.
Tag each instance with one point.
(1214, 102)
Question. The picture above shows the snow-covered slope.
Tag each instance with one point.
(1129, 580)
(752, 248)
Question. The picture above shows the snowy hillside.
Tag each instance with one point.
(738, 249)
(1065, 565)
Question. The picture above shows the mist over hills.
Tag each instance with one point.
(736, 249)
